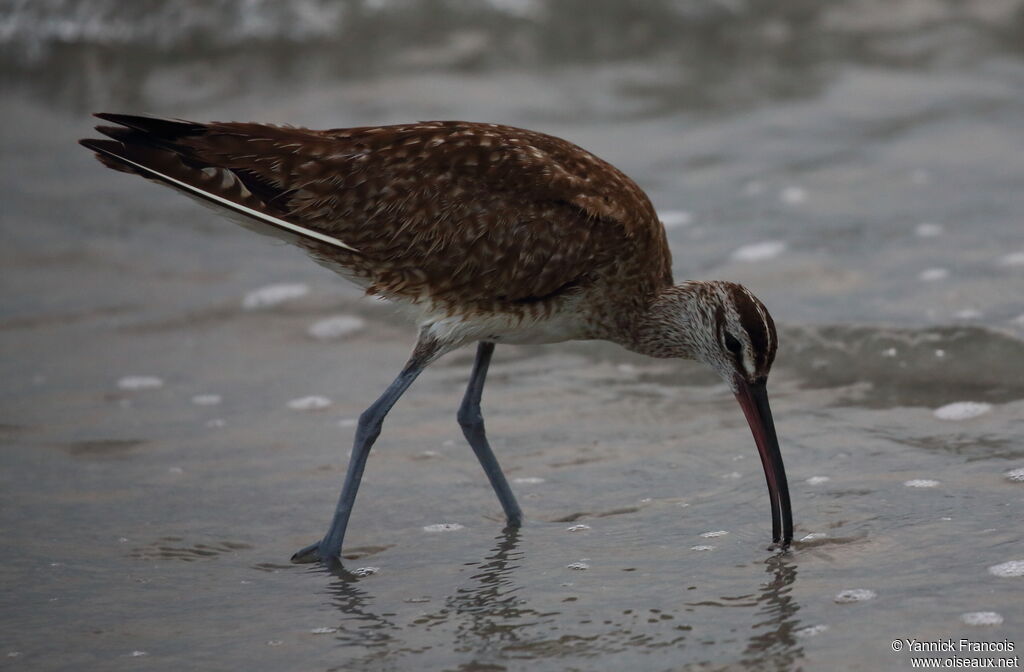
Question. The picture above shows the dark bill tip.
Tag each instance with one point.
(753, 399)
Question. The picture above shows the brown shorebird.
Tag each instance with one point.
(491, 234)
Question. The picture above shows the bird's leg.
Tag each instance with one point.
(472, 422)
(328, 549)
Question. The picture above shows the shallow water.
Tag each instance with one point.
(168, 443)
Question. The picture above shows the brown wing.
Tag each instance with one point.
(454, 211)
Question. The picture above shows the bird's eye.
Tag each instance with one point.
(732, 344)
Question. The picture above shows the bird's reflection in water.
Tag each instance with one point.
(774, 644)
(489, 612)
(360, 624)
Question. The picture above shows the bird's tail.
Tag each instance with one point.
(164, 150)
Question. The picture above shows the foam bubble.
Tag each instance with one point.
(207, 399)
(138, 654)
(855, 595)
(767, 249)
(577, 566)
(1007, 569)
(578, 528)
(813, 535)
(365, 571)
(1016, 475)
(982, 618)
(1012, 259)
(928, 230)
(310, 403)
(716, 533)
(793, 195)
(323, 631)
(920, 483)
(272, 295)
(933, 274)
(962, 410)
(528, 480)
(811, 630)
(140, 383)
(336, 327)
(702, 547)
(442, 527)
(673, 219)
(818, 480)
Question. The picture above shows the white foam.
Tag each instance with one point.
(528, 480)
(962, 410)
(138, 654)
(140, 383)
(442, 527)
(928, 230)
(272, 295)
(673, 219)
(716, 533)
(578, 528)
(1007, 569)
(324, 630)
(207, 399)
(793, 195)
(813, 535)
(577, 566)
(1016, 475)
(811, 630)
(933, 274)
(702, 547)
(767, 249)
(982, 618)
(1012, 259)
(855, 595)
(274, 642)
(333, 328)
(311, 403)
(921, 483)
(818, 480)
(365, 571)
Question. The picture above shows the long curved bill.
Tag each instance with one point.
(753, 398)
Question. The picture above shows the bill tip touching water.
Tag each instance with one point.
(492, 235)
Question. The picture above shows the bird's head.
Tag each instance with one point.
(725, 326)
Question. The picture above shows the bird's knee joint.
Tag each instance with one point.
(470, 417)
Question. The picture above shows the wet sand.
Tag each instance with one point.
(155, 479)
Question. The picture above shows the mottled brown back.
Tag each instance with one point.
(472, 216)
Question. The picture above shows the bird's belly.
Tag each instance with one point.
(500, 327)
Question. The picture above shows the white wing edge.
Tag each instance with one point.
(238, 207)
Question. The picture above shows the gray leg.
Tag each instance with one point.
(328, 549)
(472, 422)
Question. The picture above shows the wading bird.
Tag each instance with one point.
(491, 234)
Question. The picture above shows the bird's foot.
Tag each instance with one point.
(307, 554)
(313, 553)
